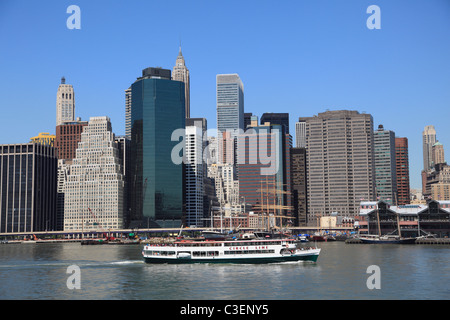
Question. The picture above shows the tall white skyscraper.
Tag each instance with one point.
(429, 139)
(181, 73)
(194, 176)
(95, 181)
(65, 103)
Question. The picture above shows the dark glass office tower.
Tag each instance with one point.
(276, 118)
(157, 183)
(27, 188)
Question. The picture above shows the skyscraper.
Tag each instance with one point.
(385, 165)
(264, 170)
(27, 188)
(227, 148)
(300, 134)
(68, 134)
(156, 181)
(44, 138)
(195, 171)
(230, 103)
(276, 118)
(402, 162)
(340, 164)
(429, 139)
(94, 190)
(128, 113)
(437, 153)
(247, 119)
(299, 186)
(181, 73)
(65, 103)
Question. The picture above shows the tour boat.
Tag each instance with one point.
(232, 251)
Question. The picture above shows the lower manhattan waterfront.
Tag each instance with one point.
(40, 271)
(312, 134)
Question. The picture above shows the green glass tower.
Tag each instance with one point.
(156, 182)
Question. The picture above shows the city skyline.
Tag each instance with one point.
(310, 58)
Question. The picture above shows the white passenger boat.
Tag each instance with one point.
(233, 251)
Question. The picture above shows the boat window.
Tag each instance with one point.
(248, 252)
(159, 253)
(205, 253)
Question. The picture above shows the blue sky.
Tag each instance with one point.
(301, 57)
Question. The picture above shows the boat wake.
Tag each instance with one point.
(127, 262)
(81, 264)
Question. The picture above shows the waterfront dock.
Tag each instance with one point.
(429, 241)
(433, 241)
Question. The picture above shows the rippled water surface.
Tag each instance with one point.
(39, 271)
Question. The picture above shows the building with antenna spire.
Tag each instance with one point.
(181, 73)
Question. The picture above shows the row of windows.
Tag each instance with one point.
(249, 252)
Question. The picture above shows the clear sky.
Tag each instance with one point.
(296, 56)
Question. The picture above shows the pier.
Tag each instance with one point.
(428, 241)
(433, 241)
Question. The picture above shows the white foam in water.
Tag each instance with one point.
(127, 262)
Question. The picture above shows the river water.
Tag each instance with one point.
(40, 271)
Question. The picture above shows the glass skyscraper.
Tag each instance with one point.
(230, 102)
(385, 165)
(156, 182)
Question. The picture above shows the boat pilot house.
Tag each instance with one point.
(410, 220)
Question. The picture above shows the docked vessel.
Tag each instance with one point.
(233, 251)
(374, 239)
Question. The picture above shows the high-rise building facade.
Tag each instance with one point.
(65, 103)
(429, 139)
(226, 184)
(402, 170)
(181, 73)
(128, 113)
(157, 182)
(68, 135)
(247, 119)
(44, 138)
(276, 118)
(264, 171)
(124, 146)
(340, 166)
(299, 186)
(437, 153)
(27, 188)
(227, 148)
(94, 190)
(195, 169)
(385, 165)
(230, 103)
(300, 134)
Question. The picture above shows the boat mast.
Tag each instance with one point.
(378, 221)
(398, 225)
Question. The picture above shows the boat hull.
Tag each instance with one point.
(244, 260)
(400, 241)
